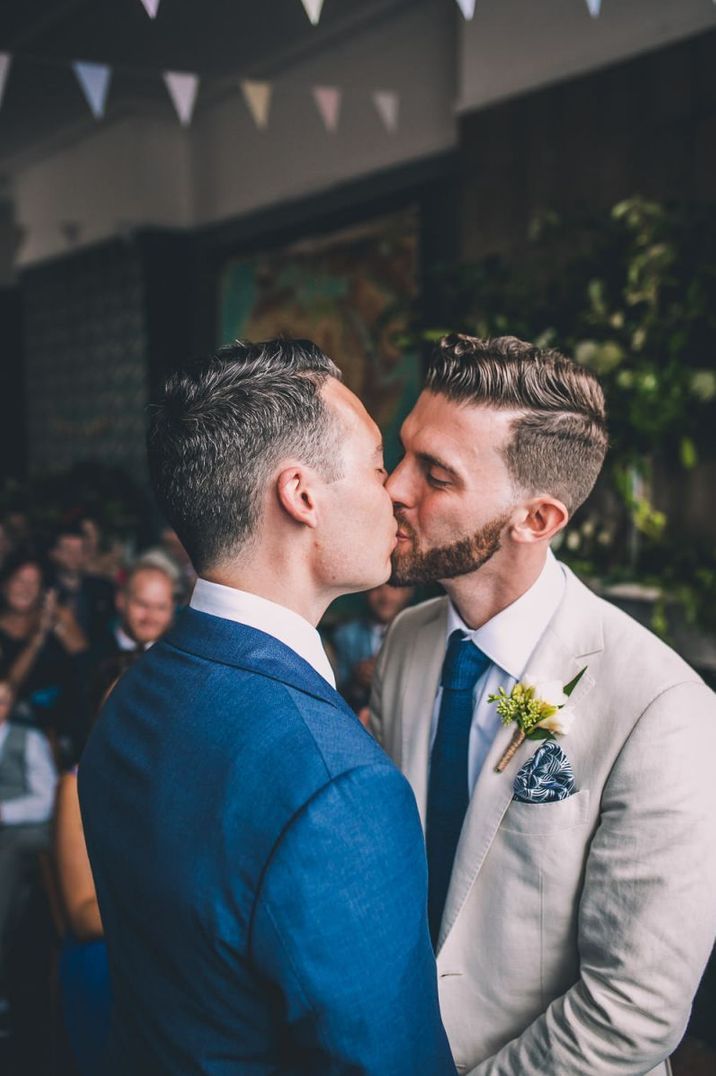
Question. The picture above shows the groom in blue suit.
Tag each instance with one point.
(259, 861)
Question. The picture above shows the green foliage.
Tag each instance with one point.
(523, 707)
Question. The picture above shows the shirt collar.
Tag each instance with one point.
(124, 641)
(510, 637)
(276, 620)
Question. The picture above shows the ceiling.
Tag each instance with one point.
(217, 39)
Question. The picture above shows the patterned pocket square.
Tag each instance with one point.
(546, 777)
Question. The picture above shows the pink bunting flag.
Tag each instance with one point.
(151, 7)
(467, 7)
(258, 99)
(313, 9)
(595, 6)
(387, 103)
(5, 61)
(328, 102)
(94, 80)
(183, 88)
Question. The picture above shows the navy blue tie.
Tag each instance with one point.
(448, 789)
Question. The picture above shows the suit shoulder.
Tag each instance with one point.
(326, 730)
(635, 653)
(416, 617)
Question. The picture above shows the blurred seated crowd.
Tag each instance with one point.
(75, 612)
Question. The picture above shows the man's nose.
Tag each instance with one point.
(397, 485)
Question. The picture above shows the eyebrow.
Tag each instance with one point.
(433, 461)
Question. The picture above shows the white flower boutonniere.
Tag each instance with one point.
(539, 706)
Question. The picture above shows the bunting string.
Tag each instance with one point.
(183, 86)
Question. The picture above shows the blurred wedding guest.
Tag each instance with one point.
(89, 597)
(104, 555)
(27, 791)
(357, 642)
(145, 604)
(171, 554)
(6, 543)
(83, 971)
(41, 645)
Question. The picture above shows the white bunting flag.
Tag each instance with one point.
(258, 98)
(595, 7)
(151, 7)
(467, 7)
(5, 61)
(387, 104)
(328, 102)
(183, 89)
(94, 80)
(313, 9)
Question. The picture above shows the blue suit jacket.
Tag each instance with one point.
(260, 870)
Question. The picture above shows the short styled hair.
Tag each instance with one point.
(221, 427)
(559, 439)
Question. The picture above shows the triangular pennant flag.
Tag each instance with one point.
(5, 61)
(183, 89)
(595, 7)
(328, 102)
(258, 98)
(151, 7)
(313, 9)
(94, 80)
(467, 7)
(387, 104)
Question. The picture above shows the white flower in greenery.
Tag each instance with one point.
(538, 706)
(549, 691)
(559, 723)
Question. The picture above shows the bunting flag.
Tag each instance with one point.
(5, 61)
(94, 80)
(328, 103)
(387, 104)
(468, 7)
(595, 7)
(258, 98)
(313, 9)
(151, 7)
(183, 88)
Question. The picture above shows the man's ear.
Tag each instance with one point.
(120, 601)
(294, 489)
(539, 520)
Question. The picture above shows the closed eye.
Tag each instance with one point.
(438, 483)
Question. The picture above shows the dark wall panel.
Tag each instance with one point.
(85, 359)
(646, 126)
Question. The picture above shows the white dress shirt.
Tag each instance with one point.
(508, 640)
(37, 803)
(283, 624)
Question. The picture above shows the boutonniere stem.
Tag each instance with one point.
(517, 740)
(539, 708)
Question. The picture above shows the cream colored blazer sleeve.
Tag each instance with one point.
(647, 916)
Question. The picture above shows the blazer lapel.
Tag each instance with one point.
(416, 710)
(553, 658)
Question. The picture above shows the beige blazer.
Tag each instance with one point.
(575, 933)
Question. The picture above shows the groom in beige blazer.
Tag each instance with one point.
(572, 895)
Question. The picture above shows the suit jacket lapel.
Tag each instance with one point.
(422, 679)
(574, 633)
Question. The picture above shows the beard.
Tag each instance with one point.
(461, 557)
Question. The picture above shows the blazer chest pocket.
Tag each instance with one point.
(541, 819)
